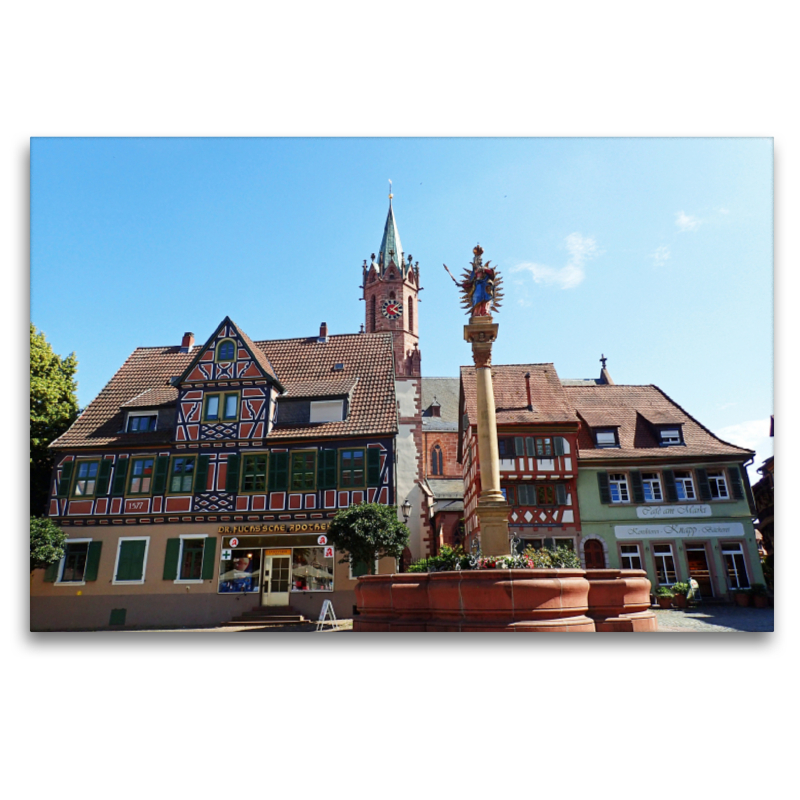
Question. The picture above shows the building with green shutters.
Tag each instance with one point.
(660, 492)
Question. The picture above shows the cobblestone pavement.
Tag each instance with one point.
(716, 619)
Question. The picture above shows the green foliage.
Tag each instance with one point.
(54, 407)
(664, 591)
(446, 560)
(367, 532)
(47, 543)
(680, 588)
(759, 589)
(560, 557)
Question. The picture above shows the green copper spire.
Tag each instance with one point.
(391, 249)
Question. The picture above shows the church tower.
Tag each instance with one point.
(391, 291)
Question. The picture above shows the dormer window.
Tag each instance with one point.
(670, 436)
(141, 423)
(327, 411)
(226, 350)
(606, 437)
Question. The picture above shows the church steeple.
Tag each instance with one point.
(391, 248)
(391, 290)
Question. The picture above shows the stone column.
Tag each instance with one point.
(492, 507)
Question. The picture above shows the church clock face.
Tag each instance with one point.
(392, 309)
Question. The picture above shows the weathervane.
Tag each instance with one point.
(481, 286)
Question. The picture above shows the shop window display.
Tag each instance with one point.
(311, 571)
(241, 572)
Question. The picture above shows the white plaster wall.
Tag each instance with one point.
(406, 393)
(408, 462)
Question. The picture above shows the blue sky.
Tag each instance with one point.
(655, 252)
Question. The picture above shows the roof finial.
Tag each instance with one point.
(390, 189)
(603, 360)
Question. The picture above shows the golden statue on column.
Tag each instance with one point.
(481, 294)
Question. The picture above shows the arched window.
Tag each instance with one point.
(226, 350)
(372, 314)
(411, 315)
(437, 461)
(593, 551)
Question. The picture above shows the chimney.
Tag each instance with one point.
(187, 342)
(528, 387)
(323, 332)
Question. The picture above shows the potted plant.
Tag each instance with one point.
(760, 595)
(664, 597)
(741, 597)
(680, 590)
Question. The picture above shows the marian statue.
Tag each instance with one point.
(480, 286)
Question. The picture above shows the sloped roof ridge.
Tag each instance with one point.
(383, 334)
(711, 433)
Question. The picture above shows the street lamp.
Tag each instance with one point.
(406, 509)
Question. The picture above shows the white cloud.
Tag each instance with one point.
(581, 249)
(685, 222)
(661, 255)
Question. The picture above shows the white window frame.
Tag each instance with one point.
(327, 411)
(651, 483)
(656, 557)
(122, 539)
(58, 581)
(180, 557)
(682, 482)
(735, 549)
(623, 555)
(619, 480)
(669, 437)
(716, 478)
(132, 414)
(611, 433)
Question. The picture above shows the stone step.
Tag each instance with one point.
(268, 619)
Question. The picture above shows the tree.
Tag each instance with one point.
(54, 407)
(367, 532)
(47, 543)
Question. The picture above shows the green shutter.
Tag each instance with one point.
(326, 469)
(519, 446)
(66, 475)
(232, 478)
(209, 548)
(637, 487)
(561, 494)
(373, 466)
(160, 478)
(92, 561)
(558, 445)
(120, 476)
(51, 573)
(278, 472)
(200, 477)
(602, 482)
(103, 478)
(736, 483)
(669, 485)
(130, 565)
(530, 446)
(171, 559)
(702, 484)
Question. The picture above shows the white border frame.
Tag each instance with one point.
(58, 581)
(180, 558)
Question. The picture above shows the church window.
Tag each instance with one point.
(141, 476)
(410, 315)
(372, 310)
(436, 461)
(226, 350)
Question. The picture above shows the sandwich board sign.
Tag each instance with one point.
(326, 614)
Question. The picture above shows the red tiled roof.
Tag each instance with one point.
(367, 360)
(320, 388)
(152, 398)
(631, 408)
(550, 403)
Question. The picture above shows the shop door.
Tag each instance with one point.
(593, 551)
(275, 581)
(698, 569)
